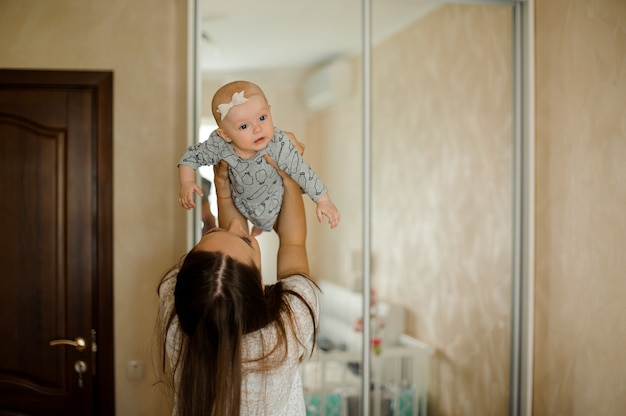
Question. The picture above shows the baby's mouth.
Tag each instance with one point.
(259, 140)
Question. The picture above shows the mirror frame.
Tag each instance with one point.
(522, 296)
(521, 355)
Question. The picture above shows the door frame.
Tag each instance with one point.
(101, 83)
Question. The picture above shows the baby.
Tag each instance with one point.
(245, 133)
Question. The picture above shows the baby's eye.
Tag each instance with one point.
(262, 118)
(243, 126)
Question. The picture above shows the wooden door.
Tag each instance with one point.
(56, 243)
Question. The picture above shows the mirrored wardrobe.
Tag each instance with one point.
(407, 111)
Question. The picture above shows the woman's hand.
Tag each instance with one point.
(221, 179)
(299, 145)
(226, 209)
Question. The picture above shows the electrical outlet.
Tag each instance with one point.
(134, 370)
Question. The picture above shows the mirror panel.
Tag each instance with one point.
(442, 174)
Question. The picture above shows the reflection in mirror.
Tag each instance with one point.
(442, 175)
(441, 187)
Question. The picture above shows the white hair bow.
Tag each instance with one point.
(237, 99)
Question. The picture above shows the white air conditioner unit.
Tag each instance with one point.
(327, 86)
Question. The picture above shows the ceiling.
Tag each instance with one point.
(247, 35)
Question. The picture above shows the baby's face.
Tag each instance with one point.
(248, 126)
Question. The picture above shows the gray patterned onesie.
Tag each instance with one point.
(257, 188)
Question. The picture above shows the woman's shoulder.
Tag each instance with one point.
(168, 284)
(304, 287)
(299, 282)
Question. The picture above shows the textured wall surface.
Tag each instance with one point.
(580, 335)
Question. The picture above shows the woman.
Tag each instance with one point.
(234, 345)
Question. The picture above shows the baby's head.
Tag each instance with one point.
(243, 117)
(225, 95)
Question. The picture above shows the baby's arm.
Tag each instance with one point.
(291, 161)
(325, 207)
(206, 153)
(188, 186)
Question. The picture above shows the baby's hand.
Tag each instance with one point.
(326, 208)
(185, 196)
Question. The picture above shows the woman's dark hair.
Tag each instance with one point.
(218, 300)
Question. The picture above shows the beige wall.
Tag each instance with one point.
(580, 335)
(143, 43)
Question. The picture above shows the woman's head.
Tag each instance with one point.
(219, 298)
(235, 241)
(219, 288)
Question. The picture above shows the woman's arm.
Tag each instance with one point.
(226, 210)
(291, 229)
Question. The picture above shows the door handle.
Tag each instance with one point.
(78, 343)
